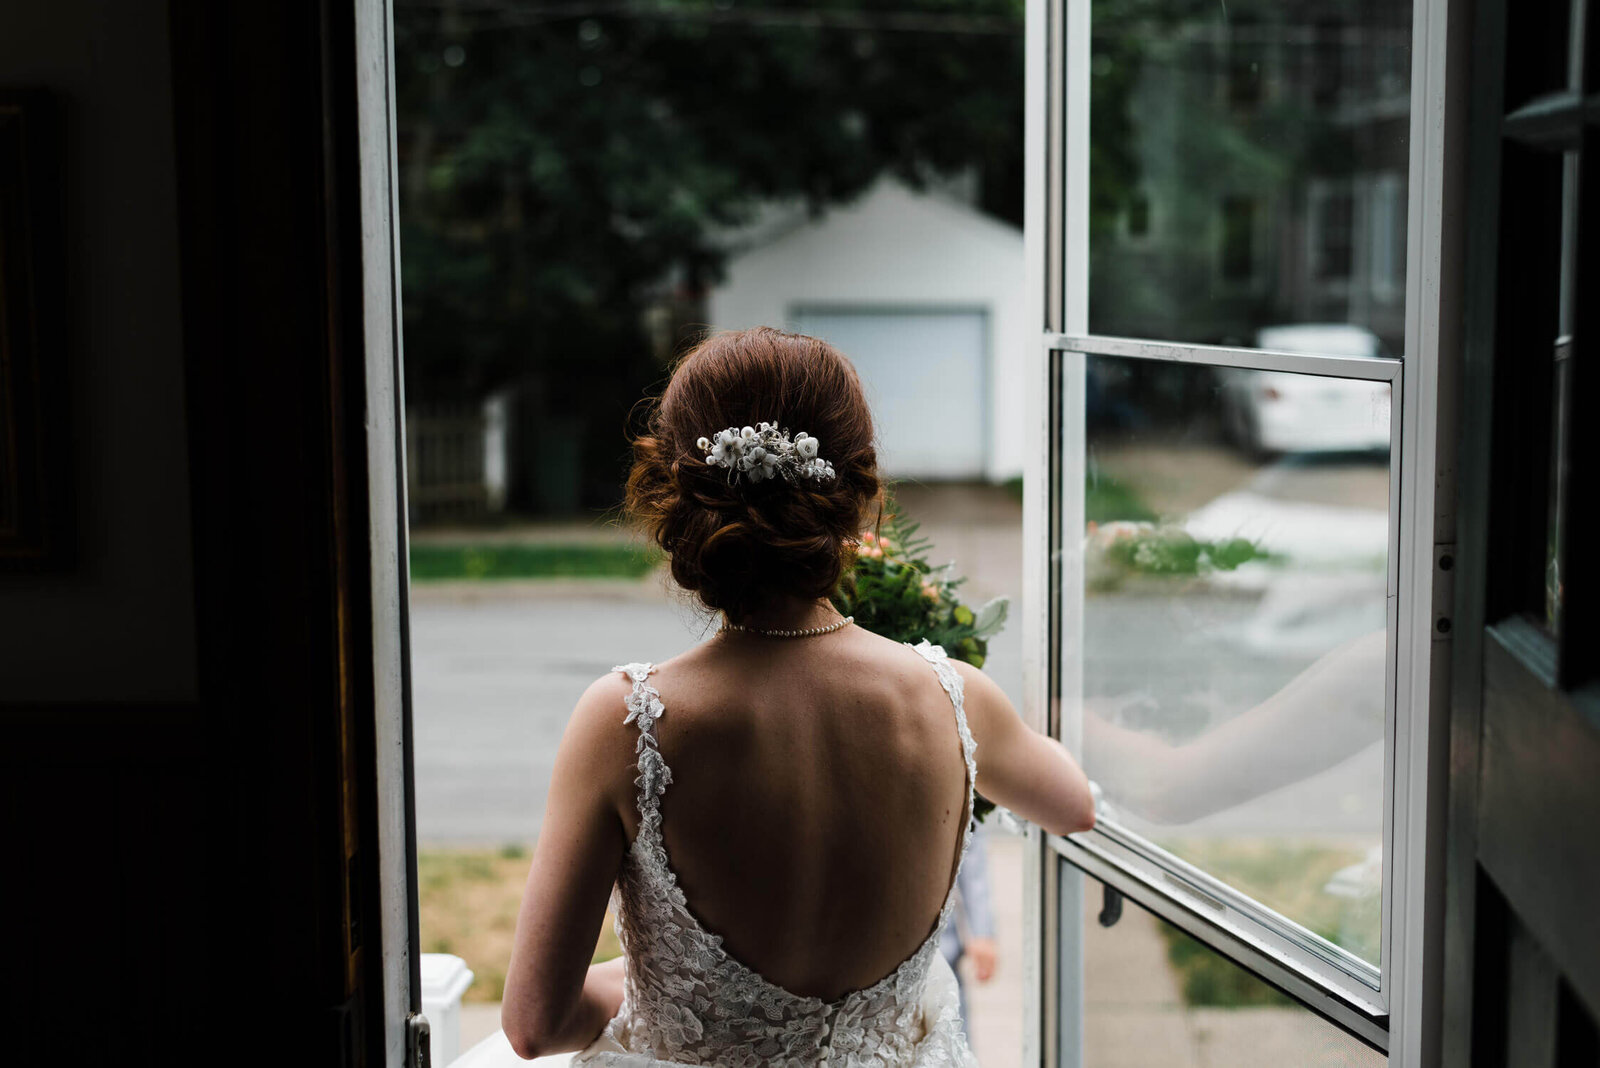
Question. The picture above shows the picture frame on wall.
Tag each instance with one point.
(35, 468)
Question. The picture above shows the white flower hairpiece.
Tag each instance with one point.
(762, 452)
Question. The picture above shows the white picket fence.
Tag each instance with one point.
(456, 459)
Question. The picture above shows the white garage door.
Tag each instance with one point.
(926, 375)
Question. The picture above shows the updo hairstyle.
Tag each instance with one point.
(738, 545)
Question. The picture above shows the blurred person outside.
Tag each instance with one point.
(970, 930)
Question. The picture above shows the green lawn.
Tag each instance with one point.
(468, 904)
(517, 561)
(1105, 500)
(1286, 876)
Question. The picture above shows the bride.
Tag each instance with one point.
(780, 811)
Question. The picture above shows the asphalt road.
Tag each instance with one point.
(497, 667)
(496, 671)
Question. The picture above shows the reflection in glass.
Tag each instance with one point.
(1247, 167)
(1235, 571)
(1154, 996)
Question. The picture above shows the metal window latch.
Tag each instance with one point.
(1110, 906)
(419, 1053)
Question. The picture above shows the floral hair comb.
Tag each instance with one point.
(764, 452)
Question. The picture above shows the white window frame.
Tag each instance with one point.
(1383, 1005)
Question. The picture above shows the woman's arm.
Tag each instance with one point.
(554, 1001)
(1327, 713)
(1032, 775)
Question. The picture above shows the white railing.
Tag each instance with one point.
(445, 978)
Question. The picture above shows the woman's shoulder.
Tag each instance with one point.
(608, 716)
(609, 692)
(865, 660)
(975, 684)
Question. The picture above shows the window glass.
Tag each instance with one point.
(1270, 139)
(1153, 995)
(1234, 622)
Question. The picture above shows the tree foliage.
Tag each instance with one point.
(562, 164)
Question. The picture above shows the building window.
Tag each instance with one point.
(1332, 209)
(1327, 63)
(1136, 218)
(1237, 254)
(1245, 54)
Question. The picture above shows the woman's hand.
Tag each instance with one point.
(984, 954)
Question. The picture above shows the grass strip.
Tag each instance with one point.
(1105, 499)
(1287, 876)
(468, 900)
(430, 563)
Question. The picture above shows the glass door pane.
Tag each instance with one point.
(1228, 536)
(1247, 172)
(1234, 619)
(1152, 995)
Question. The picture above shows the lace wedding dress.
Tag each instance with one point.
(687, 1001)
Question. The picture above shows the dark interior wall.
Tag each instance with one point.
(100, 769)
(187, 784)
(118, 626)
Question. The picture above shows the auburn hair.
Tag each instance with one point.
(738, 544)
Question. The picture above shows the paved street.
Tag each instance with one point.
(497, 667)
(496, 672)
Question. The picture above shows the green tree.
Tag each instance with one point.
(562, 164)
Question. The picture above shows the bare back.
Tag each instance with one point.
(818, 795)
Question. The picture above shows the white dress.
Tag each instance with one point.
(687, 1001)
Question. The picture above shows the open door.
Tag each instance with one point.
(1523, 982)
(405, 1029)
(1237, 236)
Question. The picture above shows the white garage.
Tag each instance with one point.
(924, 294)
(926, 374)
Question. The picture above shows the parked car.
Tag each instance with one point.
(1280, 411)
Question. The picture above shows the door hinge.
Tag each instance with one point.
(419, 1053)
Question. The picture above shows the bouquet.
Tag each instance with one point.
(894, 591)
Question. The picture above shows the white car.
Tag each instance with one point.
(1279, 411)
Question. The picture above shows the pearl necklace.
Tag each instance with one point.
(808, 632)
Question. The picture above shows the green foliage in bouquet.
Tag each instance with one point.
(894, 591)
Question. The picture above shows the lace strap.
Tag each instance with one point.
(644, 708)
(955, 686)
